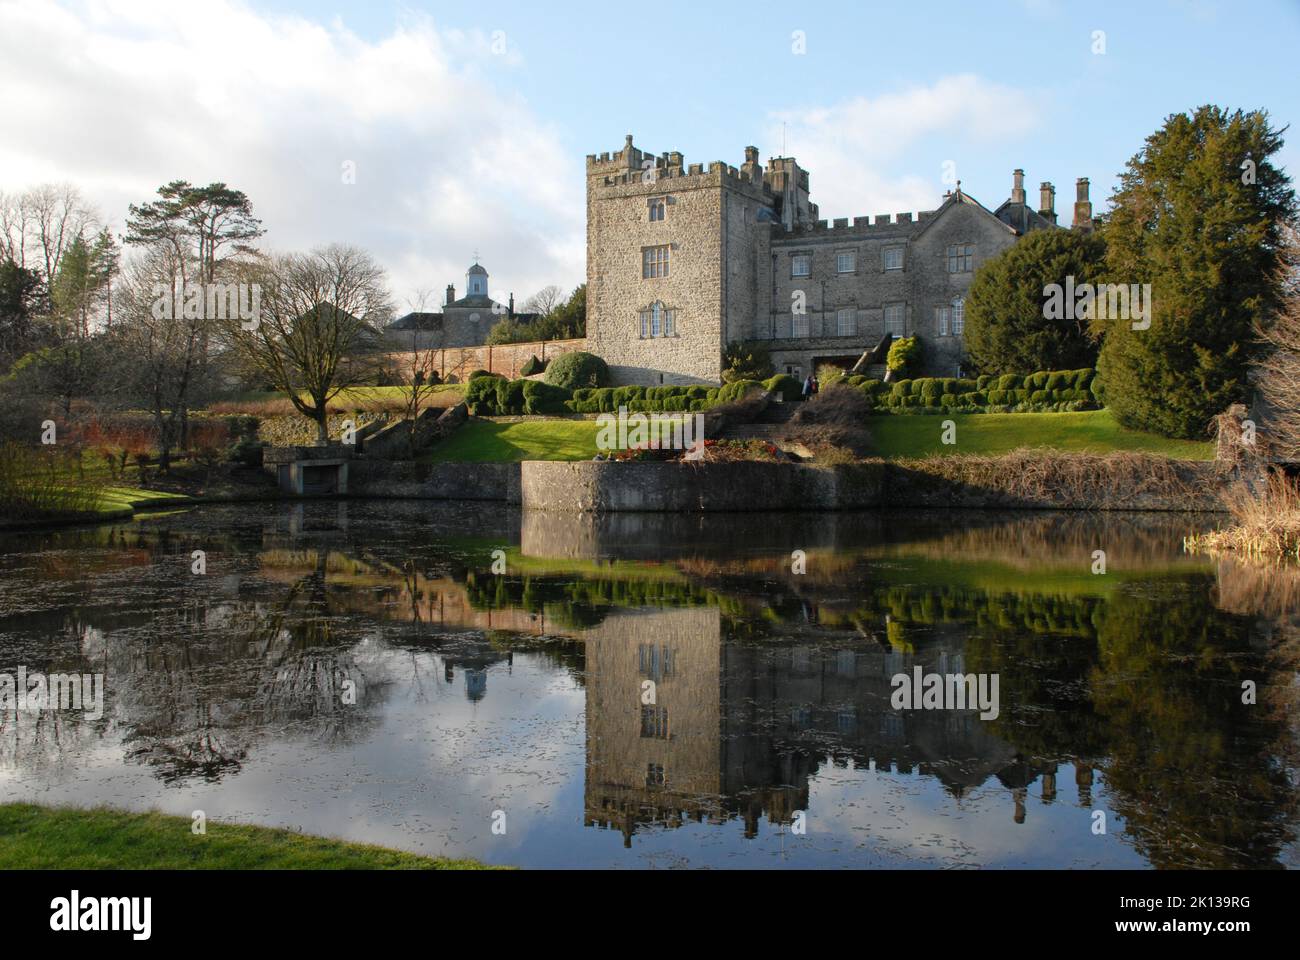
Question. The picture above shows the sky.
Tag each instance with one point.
(429, 132)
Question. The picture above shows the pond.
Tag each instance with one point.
(648, 691)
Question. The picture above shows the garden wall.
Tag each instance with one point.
(505, 359)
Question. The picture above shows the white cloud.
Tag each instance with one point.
(121, 96)
(863, 152)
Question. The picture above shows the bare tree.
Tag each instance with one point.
(418, 368)
(158, 349)
(1277, 372)
(318, 321)
(38, 225)
(544, 301)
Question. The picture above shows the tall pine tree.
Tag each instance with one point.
(1198, 214)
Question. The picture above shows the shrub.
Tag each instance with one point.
(787, 386)
(544, 398)
(481, 396)
(904, 355)
(574, 370)
(746, 361)
(532, 366)
(736, 390)
(510, 396)
(246, 451)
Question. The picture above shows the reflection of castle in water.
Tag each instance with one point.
(739, 729)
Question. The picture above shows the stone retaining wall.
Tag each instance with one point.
(404, 479)
(591, 486)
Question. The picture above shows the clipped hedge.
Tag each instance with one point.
(575, 370)
(787, 386)
(1045, 391)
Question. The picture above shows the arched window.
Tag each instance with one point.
(658, 321)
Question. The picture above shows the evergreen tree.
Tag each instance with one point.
(1198, 215)
(1008, 327)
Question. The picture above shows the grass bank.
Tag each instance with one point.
(895, 437)
(991, 434)
(487, 441)
(60, 838)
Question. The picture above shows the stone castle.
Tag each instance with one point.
(682, 260)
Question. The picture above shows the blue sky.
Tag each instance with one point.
(461, 143)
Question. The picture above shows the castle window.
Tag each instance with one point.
(654, 262)
(846, 262)
(654, 775)
(654, 722)
(893, 258)
(846, 322)
(801, 266)
(658, 208)
(952, 318)
(895, 318)
(961, 258)
(799, 325)
(658, 321)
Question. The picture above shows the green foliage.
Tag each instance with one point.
(544, 398)
(1008, 327)
(904, 355)
(1052, 391)
(532, 366)
(568, 321)
(787, 386)
(1209, 244)
(575, 370)
(736, 389)
(746, 361)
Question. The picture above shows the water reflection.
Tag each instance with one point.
(358, 670)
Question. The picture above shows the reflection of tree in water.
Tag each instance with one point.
(1192, 770)
(201, 706)
(1152, 696)
(41, 743)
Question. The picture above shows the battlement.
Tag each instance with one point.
(628, 167)
(881, 224)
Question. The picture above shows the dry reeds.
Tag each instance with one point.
(1266, 525)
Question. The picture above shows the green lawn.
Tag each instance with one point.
(1094, 431)
(58, 838)
(486, 441)
(896, 437)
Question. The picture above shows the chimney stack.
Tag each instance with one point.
(1047, 201)
(451, 294)
(1082, 205)
(512, 303)
(1018, 186)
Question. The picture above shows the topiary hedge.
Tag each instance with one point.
(573, 371)
(1045, 391)
(787, 386)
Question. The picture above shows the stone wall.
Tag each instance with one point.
(439, 481)
(690, 487)
(742, 487)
